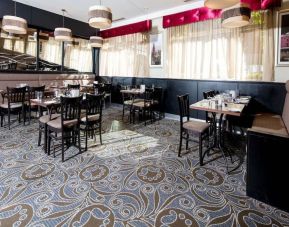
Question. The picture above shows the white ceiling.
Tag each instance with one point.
(128, 9)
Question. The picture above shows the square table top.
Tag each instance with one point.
(45, 102)
(132, 91)
(234, 109)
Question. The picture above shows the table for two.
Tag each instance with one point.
(231, 109)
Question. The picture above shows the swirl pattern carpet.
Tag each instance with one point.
(134, 179)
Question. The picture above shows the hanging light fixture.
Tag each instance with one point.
(63, 34)
(14, 24)
(220, 4)
(99, 16)
(96, 41)
(236, 16)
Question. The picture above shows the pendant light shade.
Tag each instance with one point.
(15, 25)
(100, 17)
(220, 4)
(96, 41)
(63, 34)
(236, 16)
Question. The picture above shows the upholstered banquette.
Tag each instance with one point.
(11, 80)
(268, 157)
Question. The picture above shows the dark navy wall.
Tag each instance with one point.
(45, 20)
(267, 96)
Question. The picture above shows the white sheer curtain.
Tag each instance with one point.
(79, 56)
(205, 50)
(31, 48)
(51, 51)
(125, 56)
(8, 44)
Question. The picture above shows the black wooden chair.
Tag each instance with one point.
(67, 127)
(207, 95)
(144, 106)
(198, 128)
(127, 101)
(107, 87)
(15, 104)
(98, 88)
(32, 94)
(43, 120)
(92, 119)
(158, 99)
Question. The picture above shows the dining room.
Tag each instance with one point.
(144, 113)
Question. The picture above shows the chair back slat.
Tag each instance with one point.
(209, 94)
(16, 95)
(184, 107)
(107, 88)
(70, 108)
(94, 105)
(158, 94)
(32, 91)
(99, 88)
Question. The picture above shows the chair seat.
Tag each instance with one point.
(129, 102)
(90, 118)
(196, 126)
(12, 105)
(46, 118)
(141, 104)
(57, 123)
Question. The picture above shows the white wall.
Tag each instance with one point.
(281, 72)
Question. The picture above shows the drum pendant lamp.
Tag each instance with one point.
(220, 4)
(14, 24)
(100, 16)
(236, 16)
(62, 33)
(96, 41)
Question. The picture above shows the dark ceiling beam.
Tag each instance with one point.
(42, 19)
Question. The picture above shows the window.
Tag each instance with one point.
(78, 55)
(205, 50)
(126, 55)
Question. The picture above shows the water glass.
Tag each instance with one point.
(39, 95)
(56, 93)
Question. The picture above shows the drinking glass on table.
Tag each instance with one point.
(56, 93)
(39, 95)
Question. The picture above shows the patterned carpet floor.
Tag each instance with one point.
(134, 179)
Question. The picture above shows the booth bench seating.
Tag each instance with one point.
(268, 157)
(37, 79)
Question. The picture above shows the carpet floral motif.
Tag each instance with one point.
(134, 179)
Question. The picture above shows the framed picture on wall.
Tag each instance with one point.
(156, 50)
(283, 39)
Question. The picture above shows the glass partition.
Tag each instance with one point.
(18, 52)
(50, 52)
